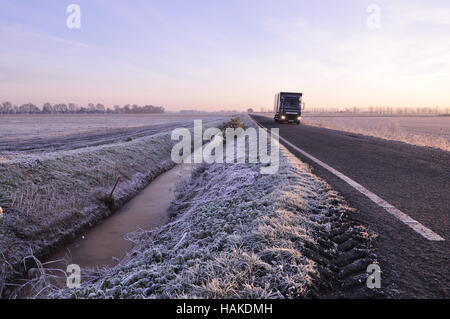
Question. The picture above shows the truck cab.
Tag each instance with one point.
(288, 107)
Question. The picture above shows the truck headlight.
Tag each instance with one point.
(299, 118)
(283, 117)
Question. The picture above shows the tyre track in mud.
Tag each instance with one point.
(343, 252)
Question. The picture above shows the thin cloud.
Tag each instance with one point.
(21, 31)
(434, 16)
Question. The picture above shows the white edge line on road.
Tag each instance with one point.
(415, 225)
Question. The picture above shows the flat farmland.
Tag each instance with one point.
(429, 131)
(43, 133)
(423, 131)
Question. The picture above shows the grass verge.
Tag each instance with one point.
(49, 199)
(236, 233)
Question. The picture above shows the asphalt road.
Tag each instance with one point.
(416, 180)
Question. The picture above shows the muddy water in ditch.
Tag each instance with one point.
(106, 244)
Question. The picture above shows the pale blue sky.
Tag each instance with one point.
(225, 54)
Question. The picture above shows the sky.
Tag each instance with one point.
(234, 54)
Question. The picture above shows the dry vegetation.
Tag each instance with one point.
(390, 129)
(47, 199)
(234, 233)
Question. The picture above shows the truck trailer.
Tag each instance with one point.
(288, 107)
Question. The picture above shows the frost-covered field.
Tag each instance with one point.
(47, 198)
(54, 125)
(422, 131)
(24, 134)
(236, 233)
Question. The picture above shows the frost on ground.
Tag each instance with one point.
(44, 126)
(430, 132)
(236, 233)
(48, 199)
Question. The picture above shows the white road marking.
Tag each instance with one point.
(415, 225)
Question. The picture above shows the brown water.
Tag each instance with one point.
(105, 244)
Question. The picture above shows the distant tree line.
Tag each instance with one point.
(72, 108)
(382, 110)
(374, 110)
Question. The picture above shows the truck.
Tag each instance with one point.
(288, 107)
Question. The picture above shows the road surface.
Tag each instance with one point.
(415, 180)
